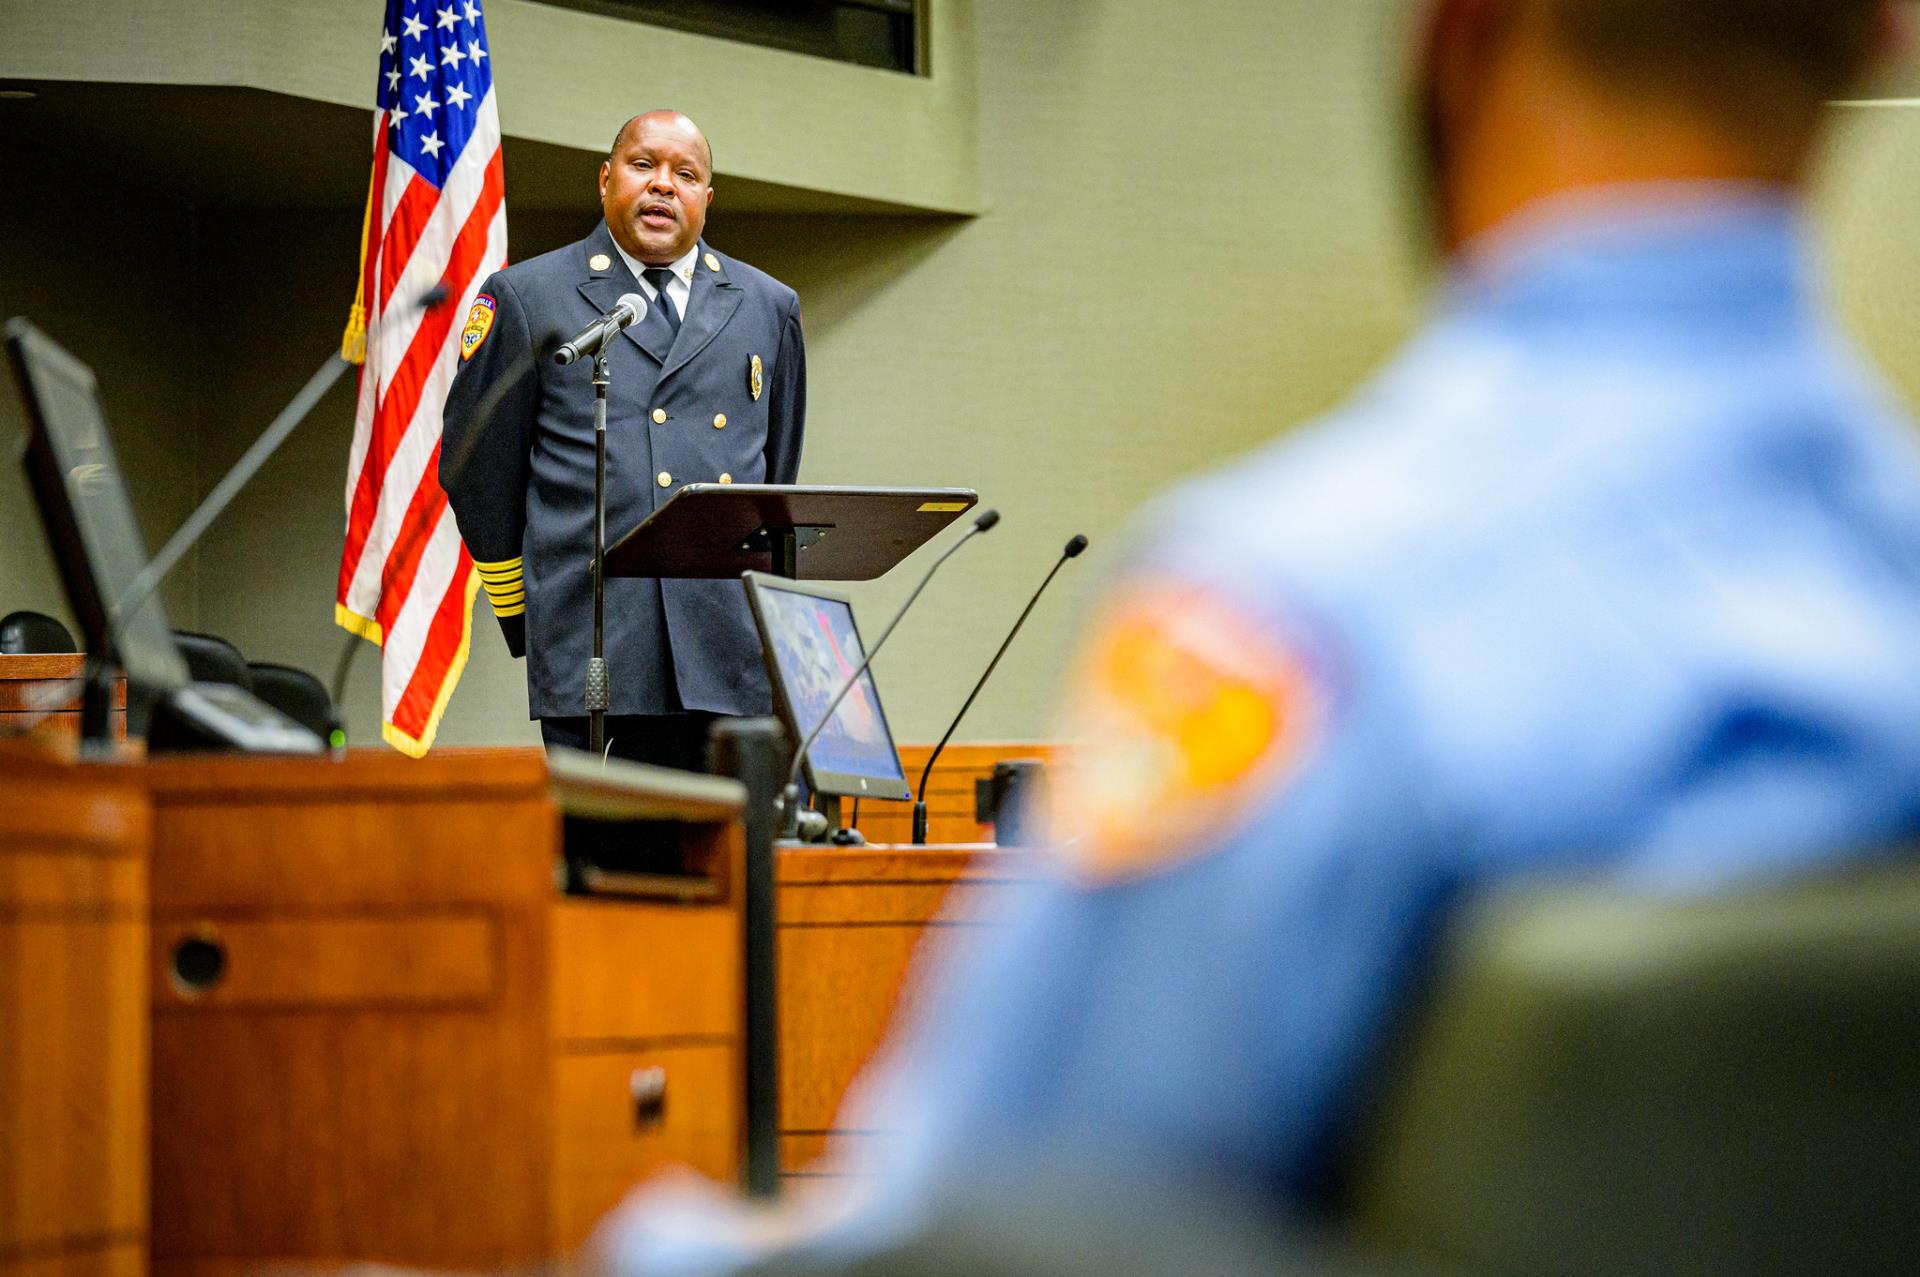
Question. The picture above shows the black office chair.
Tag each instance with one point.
(25, 633)
(1605, 1083)
(213, 660)
(297, 694)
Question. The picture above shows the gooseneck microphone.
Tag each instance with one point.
(243, 471)
(790, 795)
(1072, 551)
(595, 335)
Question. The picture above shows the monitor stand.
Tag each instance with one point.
(828, 806)
(96, 710)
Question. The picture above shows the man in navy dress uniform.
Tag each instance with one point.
(709, 386)
(1614, 571)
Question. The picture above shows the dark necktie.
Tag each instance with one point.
(658, 277)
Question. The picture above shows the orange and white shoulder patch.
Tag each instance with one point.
(1184, 712)
(479, 324)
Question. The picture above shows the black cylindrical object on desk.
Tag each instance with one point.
(1011, 796)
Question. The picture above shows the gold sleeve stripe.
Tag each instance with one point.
(500, 566)
(517, 598)
(516, 610)
(497, 577)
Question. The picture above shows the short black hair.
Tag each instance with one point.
(1753, 66)
(622, 132)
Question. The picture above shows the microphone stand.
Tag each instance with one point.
(1074, 547)
(455, 463)
(790, 795)
(598, 695)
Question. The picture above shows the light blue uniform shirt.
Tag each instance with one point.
(1616, 570)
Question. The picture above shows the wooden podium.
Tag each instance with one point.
(852, 923)
(379, 1033)
(73, 1019)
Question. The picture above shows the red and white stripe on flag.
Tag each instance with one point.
(435, 216)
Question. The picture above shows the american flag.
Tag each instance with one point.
(435, 215)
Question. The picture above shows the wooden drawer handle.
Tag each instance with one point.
(649, 1090)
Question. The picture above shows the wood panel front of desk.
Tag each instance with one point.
(41, 693)
(851, 924)
(73, 1019)
(415, 1051)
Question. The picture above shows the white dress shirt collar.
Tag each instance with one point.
(680, 289)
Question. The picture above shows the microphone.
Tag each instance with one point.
(243, 471)
(1072, 551)
(790, 795)
(595, 335)
(630, 305)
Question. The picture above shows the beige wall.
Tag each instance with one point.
(1189, 241)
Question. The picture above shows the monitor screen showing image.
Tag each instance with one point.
(812, 646)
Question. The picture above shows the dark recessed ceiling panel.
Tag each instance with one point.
(247, 148)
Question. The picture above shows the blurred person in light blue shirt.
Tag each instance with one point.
(1615, 571)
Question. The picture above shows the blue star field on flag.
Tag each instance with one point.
(435, 68)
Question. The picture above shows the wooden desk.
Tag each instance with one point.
(851, 921)
(949, 793)
(42, 693)
(416, 1051)
(73, 1019)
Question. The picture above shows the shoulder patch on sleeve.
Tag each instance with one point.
(1185, 712)
(479, 324)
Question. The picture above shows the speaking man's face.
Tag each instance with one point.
(655, 188)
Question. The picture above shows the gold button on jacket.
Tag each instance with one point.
(659, 415)
(719, 421)
(726, 478)
(664, 479)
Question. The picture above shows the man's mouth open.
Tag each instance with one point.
(657, 216)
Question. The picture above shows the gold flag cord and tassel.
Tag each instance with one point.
(353, 342)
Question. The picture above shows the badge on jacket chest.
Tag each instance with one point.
(755, 382)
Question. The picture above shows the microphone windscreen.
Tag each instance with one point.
(634, 304)
(986, 521)
(1074, 547)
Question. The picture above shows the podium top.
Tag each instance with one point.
(716, 531)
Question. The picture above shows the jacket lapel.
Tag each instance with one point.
(606, 285)
(709, 306)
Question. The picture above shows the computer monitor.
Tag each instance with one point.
(97, 545)
(83, 501)
(812, 645)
